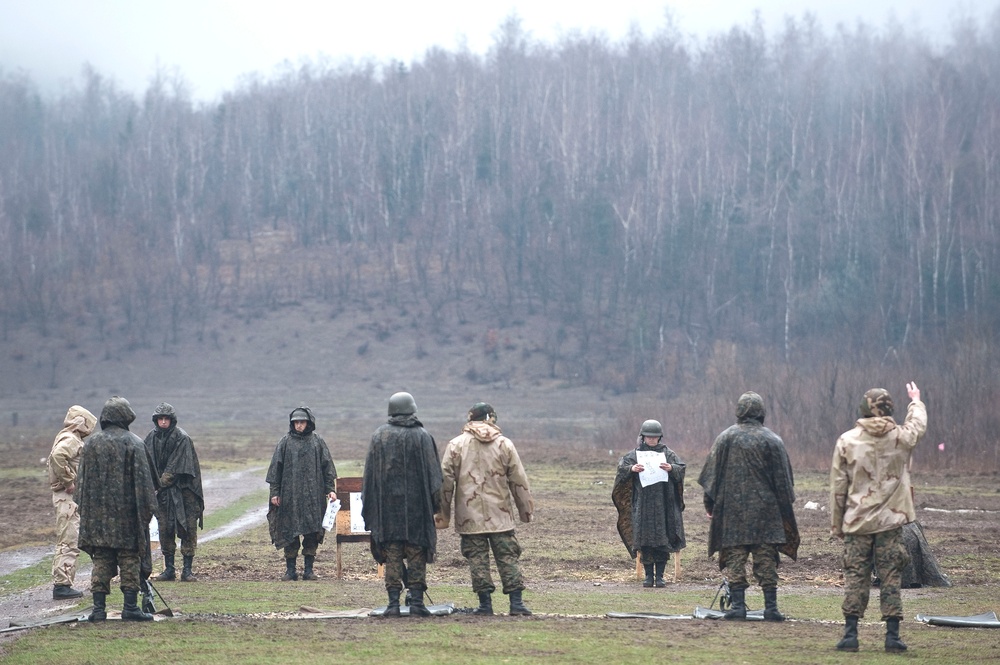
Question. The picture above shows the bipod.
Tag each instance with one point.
(148, 591)
(723, 596)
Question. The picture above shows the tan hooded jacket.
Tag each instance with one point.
(483, 472)
(870, 476)
(65, 455)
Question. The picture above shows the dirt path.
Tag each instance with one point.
(221, 489)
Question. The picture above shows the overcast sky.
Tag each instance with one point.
(211, 43)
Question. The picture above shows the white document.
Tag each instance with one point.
(651, 473)
(154, 530)
(330, 518)
(357, 521)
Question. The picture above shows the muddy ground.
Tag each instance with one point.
(960, 516)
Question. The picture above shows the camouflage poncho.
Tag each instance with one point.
(650, 516)
(748, 485)
(114, 487)
(302, 474)
(401, 489)
(175, 468)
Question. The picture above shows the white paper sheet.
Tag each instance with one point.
(357, 522)
(651, 473)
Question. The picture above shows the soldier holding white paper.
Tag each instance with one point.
(650, 502)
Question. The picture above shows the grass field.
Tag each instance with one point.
(576, 570)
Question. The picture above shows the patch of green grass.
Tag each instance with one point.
(577, 571)
(462, 639)
(30, 576)
(24, 472)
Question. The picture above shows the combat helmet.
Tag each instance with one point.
(402, 404)
(651, 428)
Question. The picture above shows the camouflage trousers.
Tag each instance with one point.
(67, 534)
(310, 543)
(170, 528)
(506, 551)
(885, 550)
(416, 571)
(765, 565)
(109, 562)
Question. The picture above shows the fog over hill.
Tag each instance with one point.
(604, 231)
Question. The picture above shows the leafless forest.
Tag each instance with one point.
(812, 212)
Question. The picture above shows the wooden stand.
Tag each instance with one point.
(343, 529)
(640, 573)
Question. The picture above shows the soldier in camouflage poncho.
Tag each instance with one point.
(303, 480)
(114, 490)
(483, 473)
(748, 494)
(650, 519)
(180, 498)
(400, 493)
(870, 501)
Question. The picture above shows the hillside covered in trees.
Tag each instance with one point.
(808, 212)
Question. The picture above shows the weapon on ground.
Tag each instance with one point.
(723, 596)
(148, 591)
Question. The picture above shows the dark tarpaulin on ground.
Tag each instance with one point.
(986, 620)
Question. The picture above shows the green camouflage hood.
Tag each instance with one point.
(118, 412)
(750, 407)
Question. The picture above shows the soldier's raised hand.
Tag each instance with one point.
(912, 390)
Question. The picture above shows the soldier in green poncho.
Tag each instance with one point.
(303, 480)
(114, 490)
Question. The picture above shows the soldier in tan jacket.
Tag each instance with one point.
(483, 473)
(870, 501)
(63, 461)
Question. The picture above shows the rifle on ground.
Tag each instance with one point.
(148, 591)
(723, 596)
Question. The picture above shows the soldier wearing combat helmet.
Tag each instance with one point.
(650, 519)
(400, 493)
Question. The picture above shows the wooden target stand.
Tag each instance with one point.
(641, 574)
(343, 527)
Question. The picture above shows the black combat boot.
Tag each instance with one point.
(186, 574)
(168, 574)
(392, 609)
(290, 574)
(892, 642)
(64, 592)
(648, 582)
(131, 611)
(485, 604)
(307, 572)
(771, 612)
(849, 642)
(99, 613)
(660, 566)
(417, 607)
(517, 607)
(738, 609)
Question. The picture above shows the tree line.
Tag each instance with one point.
(809, 201)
